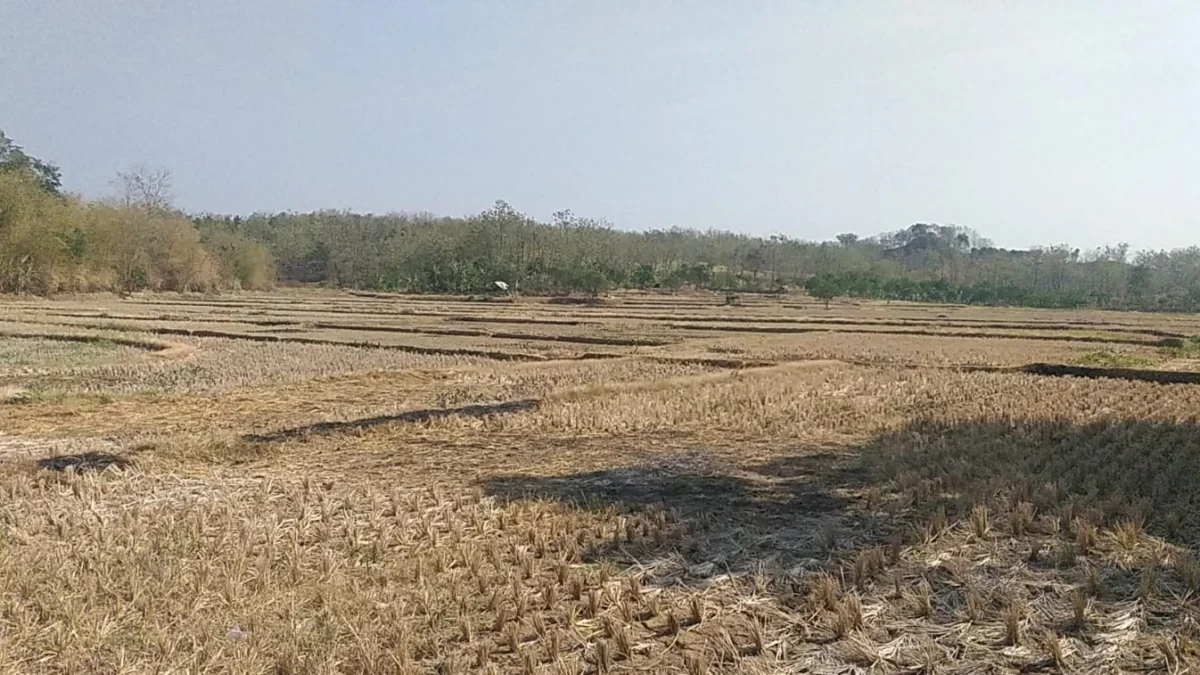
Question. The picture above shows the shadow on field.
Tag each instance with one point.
(810, 503)
(1129, 374)
(87, 461)
(730, 516)
(1107, 470)
(426, 415)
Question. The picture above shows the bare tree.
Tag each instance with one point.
(145, 187)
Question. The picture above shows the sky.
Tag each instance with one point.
(1033, 122)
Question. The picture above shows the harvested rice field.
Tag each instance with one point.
(313, 481)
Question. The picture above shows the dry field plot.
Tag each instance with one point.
(319, 482)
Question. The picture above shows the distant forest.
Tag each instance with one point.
(52, 242)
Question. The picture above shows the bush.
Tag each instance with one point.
(50, 244)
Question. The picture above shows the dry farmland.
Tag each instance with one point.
(321, 482)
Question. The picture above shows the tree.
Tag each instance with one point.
(643, 276)
(591, 281)
(823, 287)
(1140, 280)
(146, 188)
(33, 223)
(14, 158)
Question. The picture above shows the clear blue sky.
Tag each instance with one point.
(1033, 122)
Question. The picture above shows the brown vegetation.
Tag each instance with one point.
(51, 244)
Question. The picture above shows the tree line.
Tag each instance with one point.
(424, 253)
(137, 240)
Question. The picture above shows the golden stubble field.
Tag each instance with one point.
(321, 482)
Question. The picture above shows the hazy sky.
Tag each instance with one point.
(1033, 122)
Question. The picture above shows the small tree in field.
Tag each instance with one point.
(823, 287)
(591, 281)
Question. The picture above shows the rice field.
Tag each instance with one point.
(326, 482)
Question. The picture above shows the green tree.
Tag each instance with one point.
(592, 281)
(643, 276)
(14, 158)
(824, 287)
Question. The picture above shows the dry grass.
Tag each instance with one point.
(695, 502)
(212, 365)
(21, 356)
